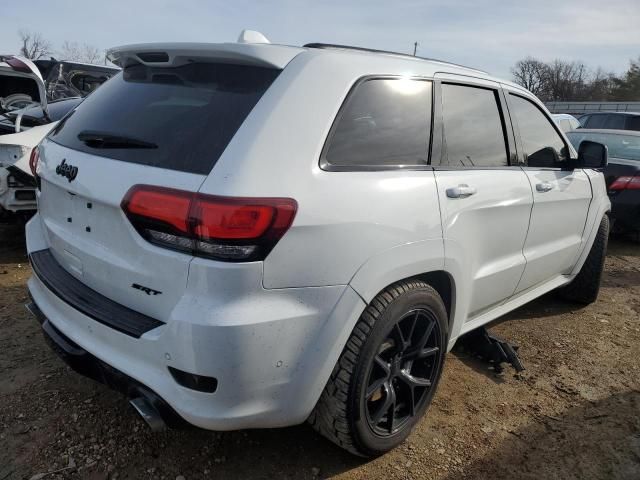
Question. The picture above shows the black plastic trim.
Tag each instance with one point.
(86, 364)
(19, 179)
(200, 383)
(87, 301)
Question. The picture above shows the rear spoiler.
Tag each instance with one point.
(176, 54)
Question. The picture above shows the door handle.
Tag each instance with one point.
(461, 191)
(544, 187)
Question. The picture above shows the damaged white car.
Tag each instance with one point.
(34, 96)
(17, 184)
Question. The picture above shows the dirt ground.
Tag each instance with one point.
(573, 413)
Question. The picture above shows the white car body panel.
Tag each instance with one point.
(10, 145)
(561, 210)
(485, 259)
(271, 331)
(112, 255)
(565, 122)
(28, 139)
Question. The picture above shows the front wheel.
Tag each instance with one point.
(585, 287)
(387, 373)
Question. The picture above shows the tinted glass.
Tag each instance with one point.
(178, 118)
(615, 122)
(384, 122)
(473, 128)
(56, 110)
(596, 121)
(633, 123)
(87, 82)
(542, 144)
(619, 146)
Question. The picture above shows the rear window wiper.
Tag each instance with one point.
(109, 140)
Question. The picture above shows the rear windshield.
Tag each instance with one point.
(179, 118)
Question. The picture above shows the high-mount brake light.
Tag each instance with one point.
(625, 182)
(231, 229)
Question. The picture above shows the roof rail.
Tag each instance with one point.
(386, 52)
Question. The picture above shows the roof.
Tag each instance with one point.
(633, 133)
(386, 52)
(613, 112)
(563, 116)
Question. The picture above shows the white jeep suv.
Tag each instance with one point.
(254, 235)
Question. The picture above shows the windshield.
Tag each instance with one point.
(179, 118)
(620, 146)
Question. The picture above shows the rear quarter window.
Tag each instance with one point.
(179, 118)
(385, 123)
(633, 123)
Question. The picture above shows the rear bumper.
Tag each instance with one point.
(271, 351)
(82, 298)
(89, 366)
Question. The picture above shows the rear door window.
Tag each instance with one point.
(383, 123)
(543, 145)
(615, 122)
(179, 118)
(473, 127)
(596, 121)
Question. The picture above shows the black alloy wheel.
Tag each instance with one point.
(402, 372)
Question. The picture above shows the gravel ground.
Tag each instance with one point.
(573, 413)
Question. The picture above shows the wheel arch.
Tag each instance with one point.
(423, 260)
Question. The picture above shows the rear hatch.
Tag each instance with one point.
(20, 83)
(155, 124)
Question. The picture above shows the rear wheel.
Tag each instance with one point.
(387, 373)
(585, 287)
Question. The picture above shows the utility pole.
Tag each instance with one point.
(415, 48)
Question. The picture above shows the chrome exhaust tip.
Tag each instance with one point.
(148, 413)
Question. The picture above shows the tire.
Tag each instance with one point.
(585, 287)
(16, 100)
(396, 351)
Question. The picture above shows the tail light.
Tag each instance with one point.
(231, 229)
(33, 161)
(626, 182)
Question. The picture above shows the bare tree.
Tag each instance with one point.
(80, 52)
(564, 81)
(599, 86)
(34, 46)
(560, 80)
(529, 73)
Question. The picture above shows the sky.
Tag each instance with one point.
(487, 34)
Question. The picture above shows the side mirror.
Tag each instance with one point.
(592, 155)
